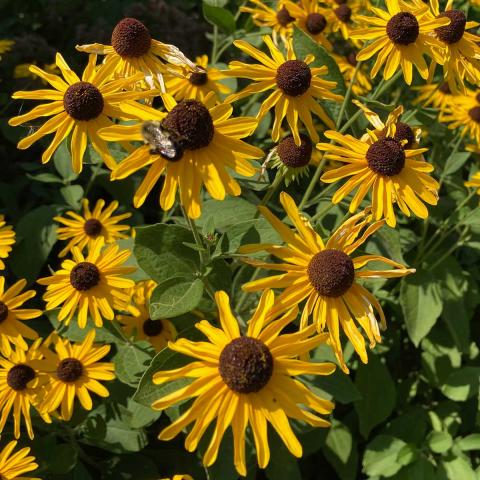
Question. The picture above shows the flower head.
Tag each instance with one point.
(325, 276)
(474, 182)
(82, 231)
(7, 239)
(14, 464)
(246, 380)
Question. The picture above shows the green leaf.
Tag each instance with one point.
(73, 195)
(339, 386)
(218, 16)
(44, 178)
(422, 469)
(63, 162)
(381, 456)
(175, 297)
(439, 442)
(141, 415)
(131, 361)
(160, 252)
(461, 384)
(378, 394)
(421, 304)
(456, 161)
(341, 452)
(282, 465)
(470, 442)
(458, 469)
(228, 212)
(61, 459)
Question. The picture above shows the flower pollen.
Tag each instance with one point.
(283, 17)
(198, 78)
(92, 227)
(131, 38)
(292, 155)
(152, 328)
(343, 13)
(294, 77)
(3, 312)
(386, 157)
(474, 114)
(84, 276)
(403, 28)
(453, 32)
(69, 370)
(315, 23)
(83, 101)
(19, 376)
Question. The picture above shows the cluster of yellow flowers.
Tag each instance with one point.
(239, 378)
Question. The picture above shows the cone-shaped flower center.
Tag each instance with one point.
(454, 32)
(246, 365)
(331, 272)
(386, 157)
(19, 376)
(69, 370)
(403, 28)
(316, 23)
(474, 114)
(83, 101)
(294, 77)
(292, 155)
(198, 78)
(152, 328)
(191, 122)
(404, 132)
(131, 38)
(3, 311)
(92, 227)
(352, 59)
(84, 276)
(284, 17)
(343, 13)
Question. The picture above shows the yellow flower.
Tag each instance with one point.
(279, 19)
(93, 284)
(12, 328)
(206, 142)
(139, 325)
(7, 239)
(296, 87)
(344, 16)
(325, 275)
(384, 162)
(134, 51)
(474, 182)
(11, 466)
(312, 19)
(78, 106)
(438, 96)
(347, 65)
(198, 84)
(242, 380)
(75, 370)
(22, 385)
(464, 112)
(401, 37)
(5, 46)
(458, 52)
(83, 231)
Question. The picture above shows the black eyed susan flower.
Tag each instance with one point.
(197, 85)
(7, 239)
(311, 17)
(464, 112)
(134, 51)
(140, 326)
(459, 52)
(22, 385)
(325, 275)
(82, 231)
(347, 65)
(12, 316)
(296, 87)
(92, 284)
(438, 96)
(81, 106)
(278, 19)
(385, 162)
(74, 371)
(205, 142)
(242, 380)
(14, 465)
(343, 16)
(474, 182)
(401, 37)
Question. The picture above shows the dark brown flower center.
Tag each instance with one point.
(3, 311)
(315, 23)
(83, 101)
(246, 365)
(404, 132)
(192, 123)
(294, 77)
(403, 28)
(84, 276)
(474, 114)
(284, 17)
(477, 97)
(386, 157)
(92, 227)
(198, 78)
(340, 2)
(343, 13)
(69, 370)
(292, 155)
(331, 272)
(444, 88)
(152, 328)
(19, 376)
(454, 32)
(352, 59)
(131, 38)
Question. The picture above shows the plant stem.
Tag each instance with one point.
(214, 56)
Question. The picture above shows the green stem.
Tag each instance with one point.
(277, 181)
(458, 140)
(456, 245)
(244, 294)
(214, 56)
(347, 96)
